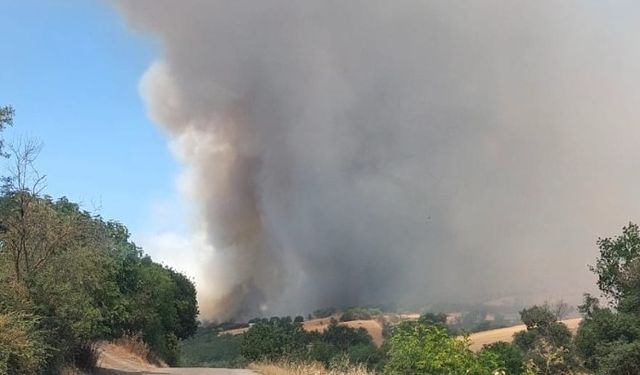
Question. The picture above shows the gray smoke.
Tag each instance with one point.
(347, 152)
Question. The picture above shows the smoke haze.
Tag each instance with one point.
(349, 152)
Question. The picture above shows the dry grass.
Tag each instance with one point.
(129, 353)
(479, 339)
(291, 368)
(132, 344)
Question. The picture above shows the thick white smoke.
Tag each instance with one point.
(343, 152)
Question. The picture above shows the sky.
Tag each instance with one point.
(70, 69)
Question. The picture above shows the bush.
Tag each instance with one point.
(508, 354)
(359, 313)
(325, 312)
(546, 344)
(22, 348)
(623, 358)
(418, 348)
(272, 339)
(207, 348)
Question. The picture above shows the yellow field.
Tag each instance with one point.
(479, 339)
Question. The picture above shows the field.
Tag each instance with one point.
(480, 339)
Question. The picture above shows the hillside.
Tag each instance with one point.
(479, 339)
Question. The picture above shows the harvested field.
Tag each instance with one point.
(479, 339)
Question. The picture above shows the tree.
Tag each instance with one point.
(546, 344)
(608, 338)
(601, 332)
(618, 264)
(68, 278)
(273, 339)
(32, 230)
(418, 348)
(6, 119)
(508, 354)
(22, 347)
(561, 309)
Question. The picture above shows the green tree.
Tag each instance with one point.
(417, 348)
(273, 339)
(6, 119)
(546, 343)
(618, 264)
(508, 354)
(602, 334)
(23, 350)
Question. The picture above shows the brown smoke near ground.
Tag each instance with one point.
(348, 152)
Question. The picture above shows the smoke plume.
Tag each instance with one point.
(349, 152)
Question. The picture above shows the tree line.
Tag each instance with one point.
(69, 278)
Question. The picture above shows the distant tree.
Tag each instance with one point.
(537, 317)
(272, 339)
(343, 337)
(433, 318)
(561, 309)
(324, 312)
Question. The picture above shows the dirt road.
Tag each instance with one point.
(179, 371)
(114, 360)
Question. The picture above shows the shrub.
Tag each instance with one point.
(275, 338)
(418, 348)
(508, 354)
(359, 313)
(22, 347)
(210, 349)
(324, 312)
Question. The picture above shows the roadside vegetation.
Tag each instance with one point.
(69, 278)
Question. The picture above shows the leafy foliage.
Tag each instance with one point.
(69, 279)
(608, 338)
(22, 347)
(359, 313)
(208, 348)
(618, 264)
(508, 354)
(325, 312)
(275, 338)
(418, 348)
(547, 343)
